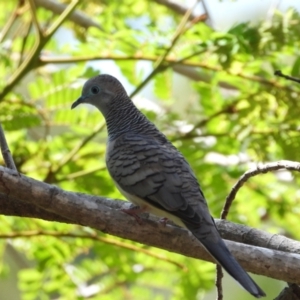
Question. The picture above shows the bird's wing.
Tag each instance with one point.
(157, 173)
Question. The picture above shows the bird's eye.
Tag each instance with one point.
(95, 90)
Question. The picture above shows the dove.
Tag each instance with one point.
(152, 174)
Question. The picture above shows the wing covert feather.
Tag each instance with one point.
(155, 171)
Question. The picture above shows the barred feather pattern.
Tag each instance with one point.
(153, 174)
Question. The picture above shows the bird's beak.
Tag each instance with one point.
(77, 102)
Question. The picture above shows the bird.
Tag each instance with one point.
(152, 174)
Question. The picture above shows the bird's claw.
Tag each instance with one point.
(163, 221)
(134, 211)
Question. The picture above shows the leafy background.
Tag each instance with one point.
(212, 93)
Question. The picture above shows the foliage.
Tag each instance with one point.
(233, 115)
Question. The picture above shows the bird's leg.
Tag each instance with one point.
(134, 211)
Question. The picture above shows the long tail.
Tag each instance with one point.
(221, 253)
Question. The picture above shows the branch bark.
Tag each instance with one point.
(77, 16)
(251, 236)
(175, 7)
(9, 162)
(104, 215)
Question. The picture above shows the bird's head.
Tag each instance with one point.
(101, 91)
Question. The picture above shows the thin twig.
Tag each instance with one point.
(158, 66)
(35, 20)
(261, 169)
(65, 14)
(31, 60)
(284, 164)
(75, 175)
(78, 17)
(173, 61)
(75, 150)
(27, 28)
(9, 24)
(93, 236)
(80, 145)
(279, 73)
(219, 277)
(228, 109)
(9, 162)
(177, 8)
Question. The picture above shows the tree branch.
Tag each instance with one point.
(261, 169)
(31, 60)
(251, 236)
(12, 206)
(9, 23)
(43, 60)
(67, 158)
(280, 74)
(230, 231)
(218, 282)
(175, 7)
(96, 213)
(90, 236)
(289, 293)
(77, 16)
(9, 162)
(181, 10)
(35, 20)
(62, 17)
(159, 63)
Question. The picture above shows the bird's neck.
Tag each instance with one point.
(125, 118)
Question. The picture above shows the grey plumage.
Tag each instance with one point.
(153, 174)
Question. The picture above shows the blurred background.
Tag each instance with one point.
(204, 74)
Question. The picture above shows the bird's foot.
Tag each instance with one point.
(163, 221)
(134, 211)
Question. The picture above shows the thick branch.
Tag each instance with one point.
(18, 208)
(247, 235)
(94, 212)
(230, 231)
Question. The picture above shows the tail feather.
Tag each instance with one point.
(221, 253)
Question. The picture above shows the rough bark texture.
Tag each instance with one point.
(23, 196)
(247, 235)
